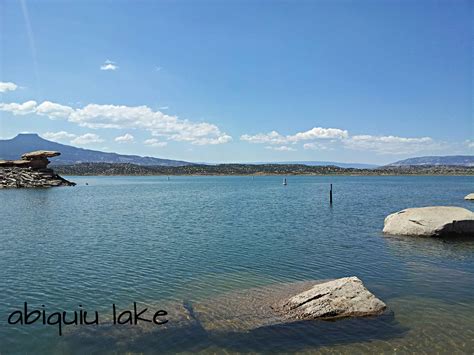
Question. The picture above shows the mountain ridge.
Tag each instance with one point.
(13, 148)
(445, 160)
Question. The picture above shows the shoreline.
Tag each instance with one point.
(125, 169)
(264, 175)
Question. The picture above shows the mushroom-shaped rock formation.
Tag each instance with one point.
(437, 221)
(39, 158)
(40, 154)
(31, 171)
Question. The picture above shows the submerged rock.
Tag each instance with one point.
(286, 304)
(345, 297)
(469, 197)
(435, 221)
(31, 171)
(236, 318)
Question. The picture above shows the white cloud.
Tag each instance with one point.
(126, 138)
(317, 146)
(53, 110)
(88, 138)
(274, 137)
(7, 86)
(126, 117)
(153, 142)
(282, 148)
(58, 136)
(319, 138)
(266, 138)
(319, 133)
(392, 144)
(469, 143)
(19, 109)
(109, 65)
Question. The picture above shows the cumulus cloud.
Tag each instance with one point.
(88, 138)
(109, 65)
(319, 138)
(469, 143)
(126, 117)
(274, 137)
(19, 109)
(7, 86)
(319, 133)
(53, 110)
(126, 138)
(58, 136)
(392, 144)
(317, 146)
(153, 142)
(282, 148)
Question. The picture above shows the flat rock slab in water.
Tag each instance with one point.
(345, 297)
(243, 311)
(287, 303)
(469, 197)
(435, 221)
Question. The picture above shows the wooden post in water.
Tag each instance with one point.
(330, 195)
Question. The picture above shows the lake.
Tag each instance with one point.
(120, 240)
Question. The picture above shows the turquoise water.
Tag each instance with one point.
(148, 240)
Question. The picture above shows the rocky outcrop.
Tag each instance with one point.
(39, 159)
(469, 197)
(345, 297)
(30, 171)
(438, 221)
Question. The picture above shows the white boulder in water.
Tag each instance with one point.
(470, 197)
(435, 221)
(345, 297)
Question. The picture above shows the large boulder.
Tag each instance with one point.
(435, 221)
(286, 303)
(470, 197)
(345, 297)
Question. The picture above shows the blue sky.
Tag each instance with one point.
(239, 81)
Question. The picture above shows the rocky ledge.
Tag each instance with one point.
(435, 221)
(31, 171)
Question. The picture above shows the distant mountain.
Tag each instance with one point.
(453, 160)
(23, 143)
(325, 163)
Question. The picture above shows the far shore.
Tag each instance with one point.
(124, 169)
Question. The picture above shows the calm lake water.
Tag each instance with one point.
(157, 242)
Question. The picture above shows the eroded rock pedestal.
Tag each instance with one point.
(31, 171)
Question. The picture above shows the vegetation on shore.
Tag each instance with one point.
(109, 169)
